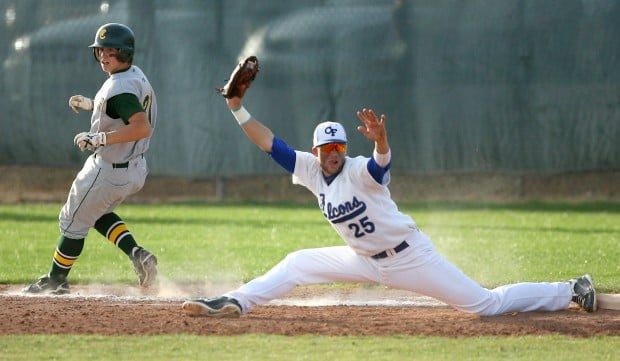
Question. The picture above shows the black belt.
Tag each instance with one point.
(124, 165)
(121, 165)
(396, 249)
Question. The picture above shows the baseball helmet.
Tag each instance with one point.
(115, 36)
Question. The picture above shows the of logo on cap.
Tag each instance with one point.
(329, 132)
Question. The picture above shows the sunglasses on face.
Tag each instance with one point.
(329, 147)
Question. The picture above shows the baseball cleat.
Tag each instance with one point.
(145, 265)
(224, 307)
(584, 293)
(47, 285)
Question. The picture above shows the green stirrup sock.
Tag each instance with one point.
(115, 230)
(67, 252)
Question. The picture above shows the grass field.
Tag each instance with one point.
(493, 243)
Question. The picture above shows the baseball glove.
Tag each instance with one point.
(241, 78)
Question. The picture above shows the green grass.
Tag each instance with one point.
(493, 243)
(309, 348)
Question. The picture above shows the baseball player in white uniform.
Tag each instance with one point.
(383, 245)
(123, 119)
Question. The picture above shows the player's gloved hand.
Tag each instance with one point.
(78, 102)
(90, 141)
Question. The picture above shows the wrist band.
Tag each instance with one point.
(382, 159)
(241, 115)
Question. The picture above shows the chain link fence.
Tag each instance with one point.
(517, 86)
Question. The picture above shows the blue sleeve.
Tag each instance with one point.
(376, 171)
(283, 154)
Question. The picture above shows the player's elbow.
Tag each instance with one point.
(262, 141)
(146, 132)
(140, 126)
(142, 130)
(264, 147)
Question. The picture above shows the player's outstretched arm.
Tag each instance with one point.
(235, 88)
(256, 131)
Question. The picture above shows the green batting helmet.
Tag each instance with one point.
(115, 36)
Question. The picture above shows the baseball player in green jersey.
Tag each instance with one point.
(123, 119)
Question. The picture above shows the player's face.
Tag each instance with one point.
(108, 58)
(331, 157)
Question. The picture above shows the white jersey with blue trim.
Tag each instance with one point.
(360, 209)
(132, 81)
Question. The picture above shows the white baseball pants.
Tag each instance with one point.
(419, 268)
(98, 189)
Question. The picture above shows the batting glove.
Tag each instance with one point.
(78, 102)
(90, 141)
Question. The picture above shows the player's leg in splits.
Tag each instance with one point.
(299, 268)
(419, 268)
(424, 271)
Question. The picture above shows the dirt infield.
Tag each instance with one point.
(306, 311)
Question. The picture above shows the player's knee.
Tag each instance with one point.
(296, 262)
(293, 258)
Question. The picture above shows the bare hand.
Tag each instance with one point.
(373, 128)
